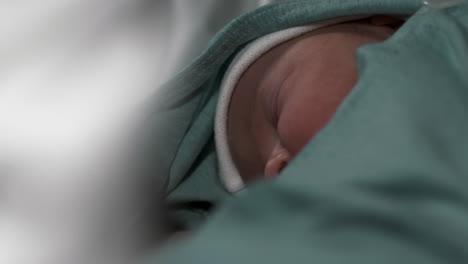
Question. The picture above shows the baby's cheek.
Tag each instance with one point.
(297, 125)
(308, 108)
(303, 116)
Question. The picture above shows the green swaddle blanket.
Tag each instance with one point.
(386, 181)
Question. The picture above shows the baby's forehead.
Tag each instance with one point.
(309, 51)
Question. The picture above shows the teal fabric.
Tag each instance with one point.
(386, 181)
(182, 123)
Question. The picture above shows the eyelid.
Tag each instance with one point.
(275, 99)
(270, 106)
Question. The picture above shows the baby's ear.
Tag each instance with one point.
(278, 159)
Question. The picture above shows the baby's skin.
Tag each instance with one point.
(291, 92)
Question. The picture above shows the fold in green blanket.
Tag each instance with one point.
(386, 181)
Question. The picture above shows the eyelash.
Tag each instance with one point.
(274, 113)
(275, 116)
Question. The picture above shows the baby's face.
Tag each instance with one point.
(290, 93)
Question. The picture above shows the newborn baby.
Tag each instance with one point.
(373, 141)
(287, 95)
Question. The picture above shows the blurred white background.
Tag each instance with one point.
(72, 76)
